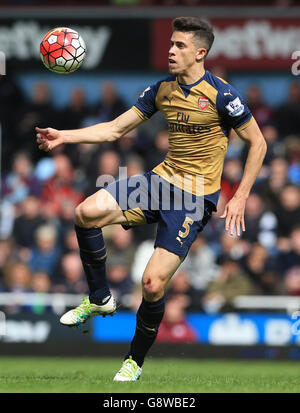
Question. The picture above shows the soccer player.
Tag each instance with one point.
(200, 109)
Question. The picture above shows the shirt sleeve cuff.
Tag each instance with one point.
(141, 115)
(244, 125)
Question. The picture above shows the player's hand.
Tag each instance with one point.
(234, 212)
(48, 138)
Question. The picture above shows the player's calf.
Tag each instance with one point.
(148, 319)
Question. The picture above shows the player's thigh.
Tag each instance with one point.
(99, 209)
(159, 270)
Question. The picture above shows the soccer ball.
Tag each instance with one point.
(62, 50)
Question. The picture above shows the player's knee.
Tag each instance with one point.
(82, 217)
(153, 287)
(87, 215)
(79, 217)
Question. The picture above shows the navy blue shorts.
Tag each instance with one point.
(148, 198)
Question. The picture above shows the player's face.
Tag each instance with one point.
(183, 54)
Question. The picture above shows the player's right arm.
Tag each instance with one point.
(50, 138)
(235, 114)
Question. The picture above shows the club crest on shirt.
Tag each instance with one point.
(202, 103)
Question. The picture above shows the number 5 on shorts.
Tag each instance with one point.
(186, 225)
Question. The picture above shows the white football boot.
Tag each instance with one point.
(80, 314)
(129, 371)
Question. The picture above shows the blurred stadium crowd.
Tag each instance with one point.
(38, 246)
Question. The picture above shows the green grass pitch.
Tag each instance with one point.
(94, 375)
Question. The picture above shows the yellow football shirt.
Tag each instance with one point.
(199, 118)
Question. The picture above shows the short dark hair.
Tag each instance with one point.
(203, 32)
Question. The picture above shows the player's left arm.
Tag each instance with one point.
(235, 209)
